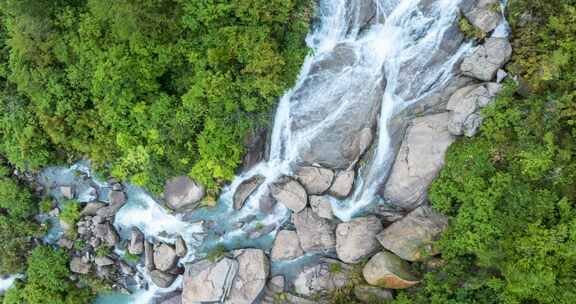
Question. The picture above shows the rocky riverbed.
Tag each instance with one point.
(299, 224)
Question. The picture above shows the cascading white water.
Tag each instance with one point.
(370, 60)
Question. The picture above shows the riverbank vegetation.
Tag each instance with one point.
(510, 192)
(145, 89)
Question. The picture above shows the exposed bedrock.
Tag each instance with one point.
(334, 122)
(419, 160)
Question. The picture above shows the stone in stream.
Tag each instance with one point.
(267, 203)
(356, 239)
(67, 192)
(107, 234)
(411, 237)
(316, 180)
(207, 281)
(172, 299)
(290, 193)
(103, 261)
(255, 147)
(315, 233)
(321, 206)
(77, 265)
(487, 59)
(483, 14)
(343, 183)
(165, 257)
(326, 276)
(149, 256)
(182, 193)
(245, 189)
(388, 271)
(136, 245)
(370, 294)
(162, 279)
(420, 158)
(253, 271)
(91, 208)
(180, 247)
(286, 246)
(117, 201)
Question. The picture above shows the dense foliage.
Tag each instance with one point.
(146, 89)
(47, 281)
(511, 191)
(17, 226)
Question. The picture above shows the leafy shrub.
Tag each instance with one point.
(510, 191)
(70, 212)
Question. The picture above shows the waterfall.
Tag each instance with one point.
(371, 61)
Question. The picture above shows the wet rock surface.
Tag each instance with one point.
(290, 193)
(182, 193)
(315, 180)
(245, 189)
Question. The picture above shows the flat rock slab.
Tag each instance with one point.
(324, 277)
(253, 271)
(206, 281)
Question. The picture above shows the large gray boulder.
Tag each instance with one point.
(411, 237)
(77, 265)
(255, 145)
(182, 193)
(245, 189)
(322, 207)
(207, 281)
(483, 14)
(464, 105)
(316, 180)
(92, 208)
(487, 59)
(315, 233)
(149, 256)
(343, 183)
(107, 234)
(180, 247)
(290, 193)
(136, 245)
(162, 279)
(253, 271)
(387, 270)
(420, 158)
(286, 246)
(165, 257)
(324, 277)
(356, 239)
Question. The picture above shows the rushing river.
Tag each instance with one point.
(372, 62)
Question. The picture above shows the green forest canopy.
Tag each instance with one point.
(146, 89)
